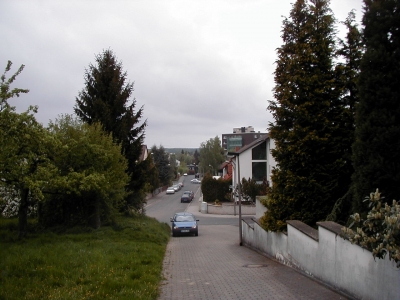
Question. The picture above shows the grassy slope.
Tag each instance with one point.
(109, 263)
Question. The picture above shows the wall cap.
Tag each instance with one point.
(304, 228)
(331, 226)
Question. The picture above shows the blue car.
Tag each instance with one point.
(184, 223)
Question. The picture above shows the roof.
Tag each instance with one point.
(251, 145)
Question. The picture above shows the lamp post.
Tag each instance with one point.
(240, 196)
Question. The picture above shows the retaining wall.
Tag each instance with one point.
(324, 255)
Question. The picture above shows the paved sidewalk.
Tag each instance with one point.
(214, 266)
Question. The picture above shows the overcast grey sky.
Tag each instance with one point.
(200, 68)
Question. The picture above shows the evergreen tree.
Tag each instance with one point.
(307, 113)
(376, 151)
(161, 161)
(347, 71)
(106, 98)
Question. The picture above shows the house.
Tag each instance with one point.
(253, 161)
(225, 170)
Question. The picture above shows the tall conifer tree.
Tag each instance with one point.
(106, 98)
(348, 70)
(376, 151)
(307, 113)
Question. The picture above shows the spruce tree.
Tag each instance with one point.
(106, 98)
(376, 151)
(307, 113)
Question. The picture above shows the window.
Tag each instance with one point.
(260, 152)
(259, 170)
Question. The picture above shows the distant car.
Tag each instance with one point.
(184, 174)
(176, 187)
(184, 223)
(195, 181)
(197, 175)
(181, 184)
(188, 193)
(171, 190)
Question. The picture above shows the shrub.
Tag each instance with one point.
(380, 232)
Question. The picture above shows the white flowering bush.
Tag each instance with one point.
(380, 232)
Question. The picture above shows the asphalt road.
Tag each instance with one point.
(162, 207)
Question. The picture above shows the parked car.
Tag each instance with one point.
(184, 174)
(184, 223)
(176, 187)
(195, 180)
(171, 190)
(185, 198)
(189, 193)
(181, 184)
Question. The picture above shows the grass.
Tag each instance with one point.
(123, 262)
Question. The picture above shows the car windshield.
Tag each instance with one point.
(184, 219)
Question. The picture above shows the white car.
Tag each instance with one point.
(171, 190)
(184, 174)
(195, 180)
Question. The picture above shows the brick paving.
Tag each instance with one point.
(214, 266)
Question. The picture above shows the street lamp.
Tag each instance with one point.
(240, 197)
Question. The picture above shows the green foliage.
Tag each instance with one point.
(123, 261)
(214, 189)
(162, 163)
(376, 151)
(5, 85)
(309, 149)
(26, 167)
(105, 99)
(250, 189)
(211, 155)
(91, 175)
(380, 232)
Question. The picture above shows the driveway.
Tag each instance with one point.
(214, 266)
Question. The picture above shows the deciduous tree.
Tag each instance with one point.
(211, 155)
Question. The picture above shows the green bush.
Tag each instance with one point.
(213, 189)
(380, 232)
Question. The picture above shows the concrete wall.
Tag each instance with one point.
(231, 209)
(324, 255)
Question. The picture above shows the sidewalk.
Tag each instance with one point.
(214, 266)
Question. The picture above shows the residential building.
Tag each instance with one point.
(253, 161)
(239, 138)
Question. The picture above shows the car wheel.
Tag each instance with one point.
(196, 234)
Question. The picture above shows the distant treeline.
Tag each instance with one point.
(179, 150)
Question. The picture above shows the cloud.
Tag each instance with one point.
(200, 68)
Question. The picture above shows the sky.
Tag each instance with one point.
(199, 68)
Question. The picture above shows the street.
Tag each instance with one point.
(214, 265)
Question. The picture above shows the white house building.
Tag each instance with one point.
(253, 161)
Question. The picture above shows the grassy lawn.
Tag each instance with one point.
(120, 262)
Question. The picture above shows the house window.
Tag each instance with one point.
(260, 152)
(259, 170)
